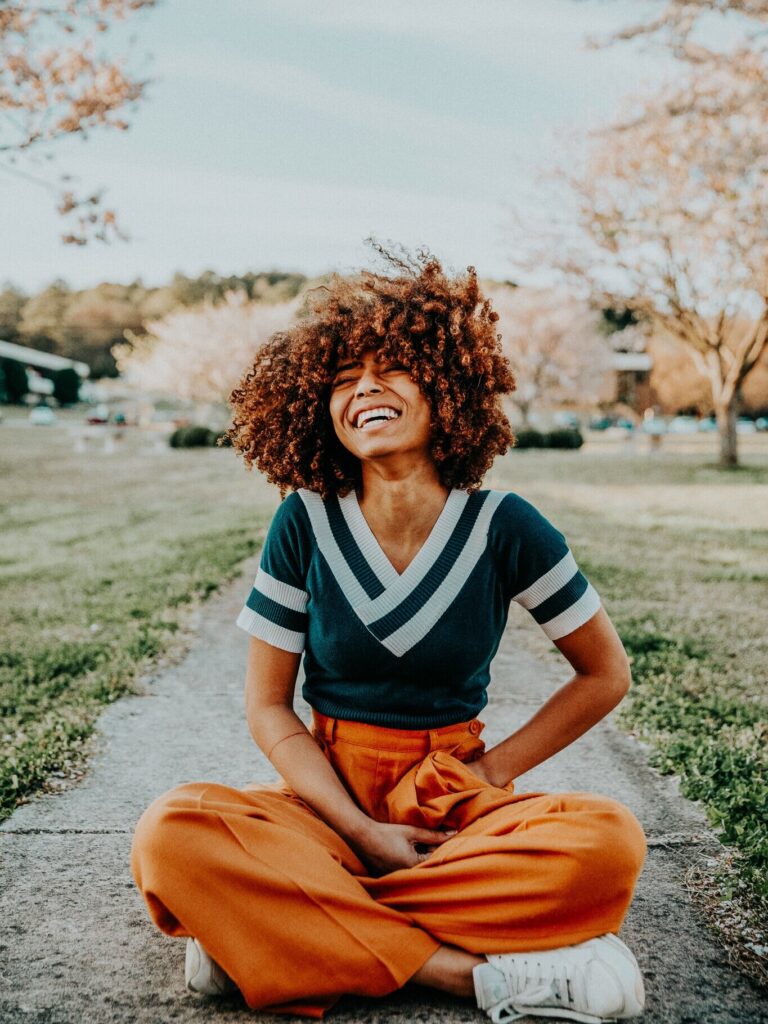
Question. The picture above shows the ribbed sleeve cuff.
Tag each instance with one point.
(579, 613)
(256, 625)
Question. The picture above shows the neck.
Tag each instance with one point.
(402, 504)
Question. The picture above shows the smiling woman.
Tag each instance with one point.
(395, 848)
(437, 333)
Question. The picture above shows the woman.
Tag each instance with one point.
(395, 848)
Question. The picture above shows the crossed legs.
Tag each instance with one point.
(289, 912)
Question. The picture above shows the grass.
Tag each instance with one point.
(101, 558)
(679, 553)
(102, 554)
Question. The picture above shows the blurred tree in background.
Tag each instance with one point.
(58, 80)
(199, 354)
(676, 234)
(85, 324)
(554, 344)
(723, 47)
(699, 159)
(673, 200)
(12, 301)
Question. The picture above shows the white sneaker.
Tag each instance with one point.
(202, 973)
(595, 981)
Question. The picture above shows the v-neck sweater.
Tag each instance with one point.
(409, 650)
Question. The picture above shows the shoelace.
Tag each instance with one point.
(537, 984)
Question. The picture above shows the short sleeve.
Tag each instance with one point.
(276, 609)
(541, 572)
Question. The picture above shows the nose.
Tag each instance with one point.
(368, 384)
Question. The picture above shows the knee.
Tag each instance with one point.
(616, 849)
(157, 839)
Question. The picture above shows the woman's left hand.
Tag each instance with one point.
(482, 769)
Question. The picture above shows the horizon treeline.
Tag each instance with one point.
(84, 323)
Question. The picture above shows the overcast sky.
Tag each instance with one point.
(279, 133)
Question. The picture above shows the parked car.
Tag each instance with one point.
(655, 426)
(744, 425)
(42, 416)
(683, 425)
(761, 423)
(568, 420)
(708, 424)
(623, 423)
(98, 414)
(606, 422)
(600, 422)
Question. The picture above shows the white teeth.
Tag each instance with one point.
(380, 411)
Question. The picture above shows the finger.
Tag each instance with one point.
(431, 837)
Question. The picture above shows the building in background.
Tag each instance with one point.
(30, 373)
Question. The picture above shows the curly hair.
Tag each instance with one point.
(441, 328)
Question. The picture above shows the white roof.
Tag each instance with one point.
(33, 357)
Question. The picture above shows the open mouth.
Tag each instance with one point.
(367, 418)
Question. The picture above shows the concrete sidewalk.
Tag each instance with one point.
(76, 946)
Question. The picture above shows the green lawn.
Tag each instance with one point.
(101, 553)
(679, 552)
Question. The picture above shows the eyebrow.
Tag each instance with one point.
(347, 366)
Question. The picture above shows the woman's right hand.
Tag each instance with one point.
(384, 847)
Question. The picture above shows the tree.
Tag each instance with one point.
(86, 324)
(554, 344)
(94, 321)
(56, 81)
(722, 50)
(673, 202)
(725, 75)
(42, 318)
(200, 354)
(678, 385)
(683, 247)
(272, 286)
(694, 153)
(11, 304)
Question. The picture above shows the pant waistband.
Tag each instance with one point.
(379, 737)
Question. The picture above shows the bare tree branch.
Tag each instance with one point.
(56, 80)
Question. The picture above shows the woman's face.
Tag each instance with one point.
(377, 410)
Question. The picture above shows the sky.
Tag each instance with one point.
(279, 134)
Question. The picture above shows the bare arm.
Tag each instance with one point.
(269, 685)
(602, 677)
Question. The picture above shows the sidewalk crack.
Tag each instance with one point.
(65, 831)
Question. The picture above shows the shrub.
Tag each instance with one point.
(193, 436)
(529, 439)
(565, 437)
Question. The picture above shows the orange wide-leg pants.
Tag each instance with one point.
(290, 912)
